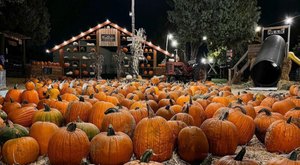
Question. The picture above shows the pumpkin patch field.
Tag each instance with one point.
(112, 122)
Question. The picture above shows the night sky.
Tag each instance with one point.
(70, 17)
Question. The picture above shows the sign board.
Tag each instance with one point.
(109, 37)
(283, 31)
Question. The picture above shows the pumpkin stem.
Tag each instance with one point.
(294, 155)
(289, 120)
(168, 107)
(224, 116)
(71, 127)
(110, 130)
(145, 158)
(79, 120)
(268, 113)
(11, 100)
(186, 108)
(240, 155)
(111, 110)
(241, 109)
(91, 96)
(131, 97)
(171, 102)
(25, 102)
(59, 98)
(239, 101)
(191, 101)
(207, 160)
(296, 108)
(81, 99)
(151, 113)
(47, 108)
(16, 86)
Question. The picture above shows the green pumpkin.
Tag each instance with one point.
(3, 115)
(48, 114)
(90, 129)
(12, 131)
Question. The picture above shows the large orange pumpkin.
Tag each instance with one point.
(192, 144)
(48, 114)
(68, 146)
(153, 132)
(22, 116)
(222, 135)
(42, 132)
(111, 148)
(262, 122)
(277, 140)
(21, 151)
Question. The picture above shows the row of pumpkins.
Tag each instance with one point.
(45, 63)
(109, 121)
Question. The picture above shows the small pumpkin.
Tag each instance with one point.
(97, 112)
(90, 129)
(120, 119)
(291, 159)
(138, 114)
(165, 112)
(12, 131)
(79, 108)
(111, 148)
(236, 160)
(48, 114)
(14, 94)
(145, 159)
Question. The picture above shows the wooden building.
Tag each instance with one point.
(77, 55)
(13, 49)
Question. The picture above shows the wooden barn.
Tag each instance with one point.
(77, 55)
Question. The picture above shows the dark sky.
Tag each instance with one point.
(70, 17)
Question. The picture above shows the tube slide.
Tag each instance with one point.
(266, 70)
(294, 58)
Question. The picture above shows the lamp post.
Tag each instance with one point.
(288, 21)
(169, 37)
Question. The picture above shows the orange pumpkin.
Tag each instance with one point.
(237, 160)
(68, 146)
(22, 116)
(153, 132)
(22, 150)
(277, 140)
(192, 144)
(14, 94)
(42, 132)
(79, 109)
(145, 159)
(97, 112)
(219, 133)
(111, 148)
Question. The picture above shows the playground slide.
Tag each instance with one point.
(293, 57)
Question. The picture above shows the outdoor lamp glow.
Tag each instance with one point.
(174, 43)
(258, 29)
(288, 20)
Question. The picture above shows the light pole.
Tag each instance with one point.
(169, 37)
(132, 14)
(288, 21)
